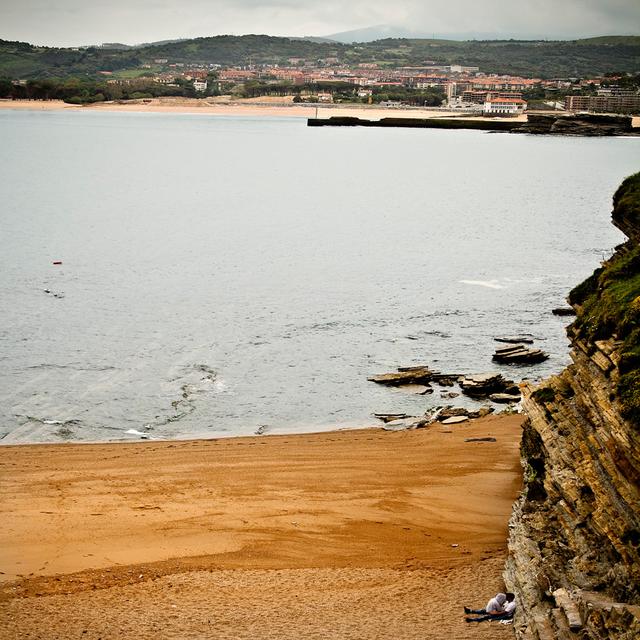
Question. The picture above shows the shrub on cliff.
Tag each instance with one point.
(626, 205)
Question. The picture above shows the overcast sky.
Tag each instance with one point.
(81, 22)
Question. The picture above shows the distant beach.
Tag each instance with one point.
(346, 534)
(263, 106)
(227, 107)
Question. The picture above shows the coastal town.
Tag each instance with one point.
(503, 79)
(460, 87)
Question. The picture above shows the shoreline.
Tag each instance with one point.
(92, 533)
(138, 439)
(252, 108)
(249, 108)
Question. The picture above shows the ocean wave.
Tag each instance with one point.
(76, 366)
(490, 284)
(190, 389)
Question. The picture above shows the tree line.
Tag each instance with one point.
(86, 91)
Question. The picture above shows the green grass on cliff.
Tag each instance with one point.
(609, 301)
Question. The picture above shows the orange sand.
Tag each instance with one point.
(351, 534)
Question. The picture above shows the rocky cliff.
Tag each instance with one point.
(574, 543)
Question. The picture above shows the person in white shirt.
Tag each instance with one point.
(501, 607)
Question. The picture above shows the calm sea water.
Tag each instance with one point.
(226, 275)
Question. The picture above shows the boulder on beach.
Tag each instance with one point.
(451, 412)
(505, 398)
(519, 354)
(458, 412)
(455, 420)
(404, 376)
(399, 425)
(412, 422)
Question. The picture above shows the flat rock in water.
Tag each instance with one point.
(446, 379)
(415, 389)
(482, 384)
(455, 419)
(564, 311)
(515, 339)
(480, 440)
(389, 417)
(512, 348)
(519, 354)
(404, 376)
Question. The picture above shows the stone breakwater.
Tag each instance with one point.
(583, 124)
(574, 543)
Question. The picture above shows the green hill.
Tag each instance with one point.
(544, 59)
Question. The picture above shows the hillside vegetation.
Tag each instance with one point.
(543, 59)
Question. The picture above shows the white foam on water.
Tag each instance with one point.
(490, 284)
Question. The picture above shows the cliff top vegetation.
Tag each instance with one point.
(608, 302)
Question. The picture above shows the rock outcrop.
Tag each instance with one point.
(574, 543)
(519, 354)
(579, 124)
(482, 385)
(404, 376)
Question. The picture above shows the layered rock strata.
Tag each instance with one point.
(574, 545)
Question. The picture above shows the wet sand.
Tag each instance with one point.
(348, 534)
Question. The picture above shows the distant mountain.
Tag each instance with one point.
(160, 42)
(119, 46)
(312, 39)
(385, 31)
(378, 32)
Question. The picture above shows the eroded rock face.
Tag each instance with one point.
(574, 544)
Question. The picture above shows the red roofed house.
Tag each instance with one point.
(504, 106)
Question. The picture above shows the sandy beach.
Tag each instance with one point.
(253, 107)
(222, 106)
(347, 534)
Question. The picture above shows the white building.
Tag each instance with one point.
(200, 85)
(504, 106)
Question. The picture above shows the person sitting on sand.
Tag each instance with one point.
(501, 607)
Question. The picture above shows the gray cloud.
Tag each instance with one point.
(74, 22)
